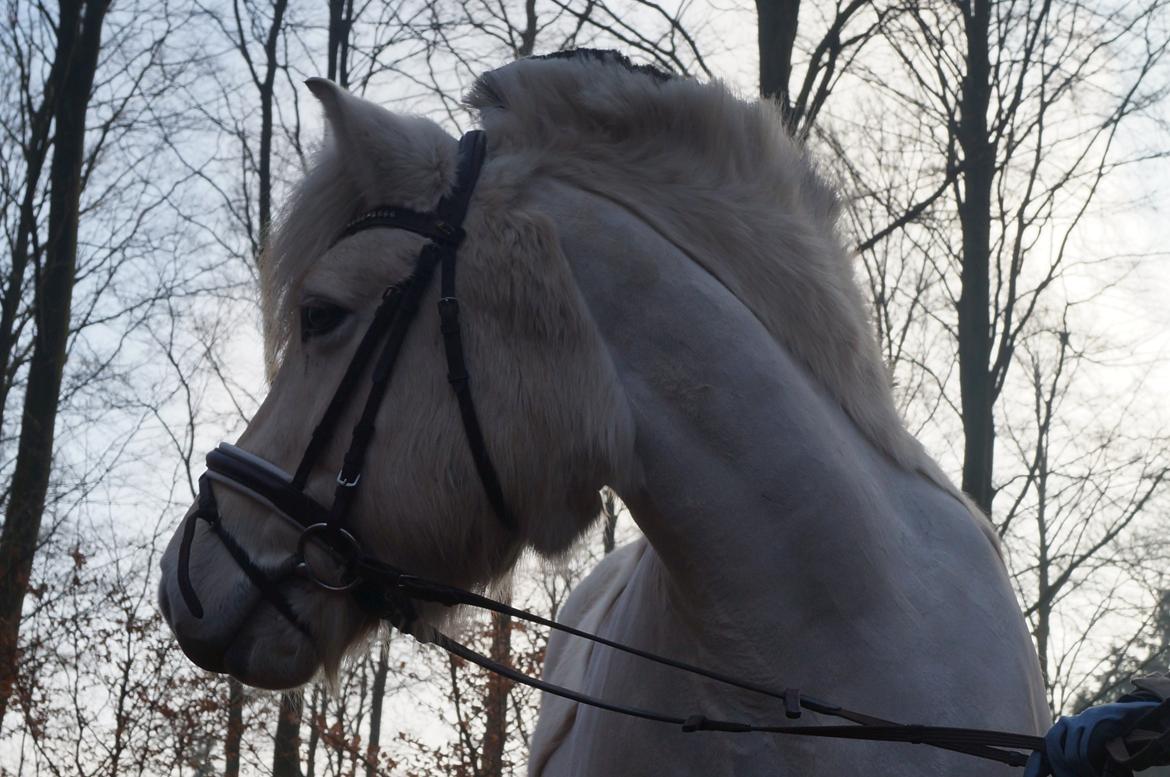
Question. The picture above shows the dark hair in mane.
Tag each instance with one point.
(610, 57)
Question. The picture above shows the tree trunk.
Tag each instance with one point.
(495, 733)
(975, 336)
(315, 719)
(379, 692)
(286, 749)
(267, 94)
(340, 23)
(528, 34)
(286, 755)
(776, 31)
(79, 34)
(36, 151)
(235, 728)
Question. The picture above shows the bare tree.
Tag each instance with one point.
(1084, 503)
(972, 166)
(235, 728)
(975, 146)
(79, 35)
(994, 129)
(800, 75)
(1145, 652)
(377, 696)
(776, 37)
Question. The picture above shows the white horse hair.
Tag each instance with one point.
(654, 298)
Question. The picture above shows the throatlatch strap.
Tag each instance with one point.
(457, 373)
(452, 209)
(460, 381)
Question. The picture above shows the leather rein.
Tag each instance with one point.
(388, 592)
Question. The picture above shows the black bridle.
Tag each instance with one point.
(265, 482)
(389, 593)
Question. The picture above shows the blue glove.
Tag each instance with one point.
(1075, 746)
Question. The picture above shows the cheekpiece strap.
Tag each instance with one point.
(472, 151)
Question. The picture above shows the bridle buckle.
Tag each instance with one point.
(345, 482)
(447, 233)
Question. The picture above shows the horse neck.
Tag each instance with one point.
(753, 486)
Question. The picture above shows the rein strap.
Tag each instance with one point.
(392, 585)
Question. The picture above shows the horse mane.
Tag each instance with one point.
(718, 176)
(721, 178)
(610, 57)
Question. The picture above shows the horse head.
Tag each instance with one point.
(241, 589)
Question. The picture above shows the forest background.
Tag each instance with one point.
(1003, 171)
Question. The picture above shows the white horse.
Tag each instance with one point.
(655, 298)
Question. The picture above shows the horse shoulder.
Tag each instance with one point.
(566, 660)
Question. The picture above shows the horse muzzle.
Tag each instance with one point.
(231, 613)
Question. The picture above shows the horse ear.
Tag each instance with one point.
(383, 152)
(331, 97)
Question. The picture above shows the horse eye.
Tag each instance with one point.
(318, 318)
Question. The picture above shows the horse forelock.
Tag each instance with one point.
(370, 158)
(318, 209)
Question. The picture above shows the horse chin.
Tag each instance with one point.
(270, 653)
(263, 650)
(242, 635)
